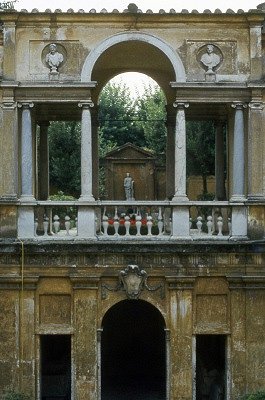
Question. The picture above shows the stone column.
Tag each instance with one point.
(95, 157)
(180, 209)
(170, 153)
(86, 152)
(86, 208)
(26, 153)
(26, 209)
(219, 162)
(44, 161)
(239, 212)
(180, 153)
(256, 151)
(238, 188)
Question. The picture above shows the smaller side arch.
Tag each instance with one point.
(170, 53)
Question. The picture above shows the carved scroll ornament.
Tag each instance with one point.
(133, 281)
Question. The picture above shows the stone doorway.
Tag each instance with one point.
(133, 352)
(211, 367)
(55, 356)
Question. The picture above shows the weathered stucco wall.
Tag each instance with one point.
(215, 292)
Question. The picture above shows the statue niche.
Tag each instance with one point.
(130, 174)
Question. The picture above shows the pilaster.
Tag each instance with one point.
(9, 56)
(8, 144)
(180, 292)
(256, 164)
(85, 338)
(238, 337)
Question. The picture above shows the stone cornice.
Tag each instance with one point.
(26, 18)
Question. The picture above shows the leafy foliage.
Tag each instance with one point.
(152, 116)
(117, 117)
(200, 150)
(259, 395)
(13, 395)
(64, 151)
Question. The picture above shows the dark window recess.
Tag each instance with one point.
(55, 367)
(210, 367)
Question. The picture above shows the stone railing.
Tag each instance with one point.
(125, 220)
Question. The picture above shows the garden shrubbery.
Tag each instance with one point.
(259, 395)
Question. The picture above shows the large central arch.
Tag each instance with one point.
(133, 352)
(165, 48)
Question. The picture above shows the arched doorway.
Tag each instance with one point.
(133, 352)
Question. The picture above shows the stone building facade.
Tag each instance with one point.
(137, 298)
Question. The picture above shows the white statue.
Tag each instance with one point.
(128, 187)
(54, 58)
(210, 59)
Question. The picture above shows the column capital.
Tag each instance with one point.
(43, 123)
(86, 104)
(238, 105)
(256, 105)
(9, 105)
(25, 105)
(181, 104)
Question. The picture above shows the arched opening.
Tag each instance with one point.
(132, 138)
(133, 353)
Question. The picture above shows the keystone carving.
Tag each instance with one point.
(133, 281)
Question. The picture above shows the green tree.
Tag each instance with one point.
(201, 150)
(64, 156)
(150, 108)
(117, 117)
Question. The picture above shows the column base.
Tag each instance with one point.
(238, 198)
(85, 198)
(180, 223)
(86, 226)
(25, 225)
(239, 223)
(180, 198)
(256, 198)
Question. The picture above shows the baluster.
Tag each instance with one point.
(127, 224)
(36, 226)
(220, 226)
(105, 223)
(149, 224)
(160, 223)
(56, 224)
(229, 227)
(199, 224)
(210, 225)
(138, 224)
(45, 225)
(76, 224)
(67, 224)
(190, 222)
(116, 222)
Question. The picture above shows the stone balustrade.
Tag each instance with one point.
(132, 220)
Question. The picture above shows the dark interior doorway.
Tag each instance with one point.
(210, 367)
(133, 352)
(55, 367)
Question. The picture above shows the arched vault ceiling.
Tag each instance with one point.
(134, 56)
